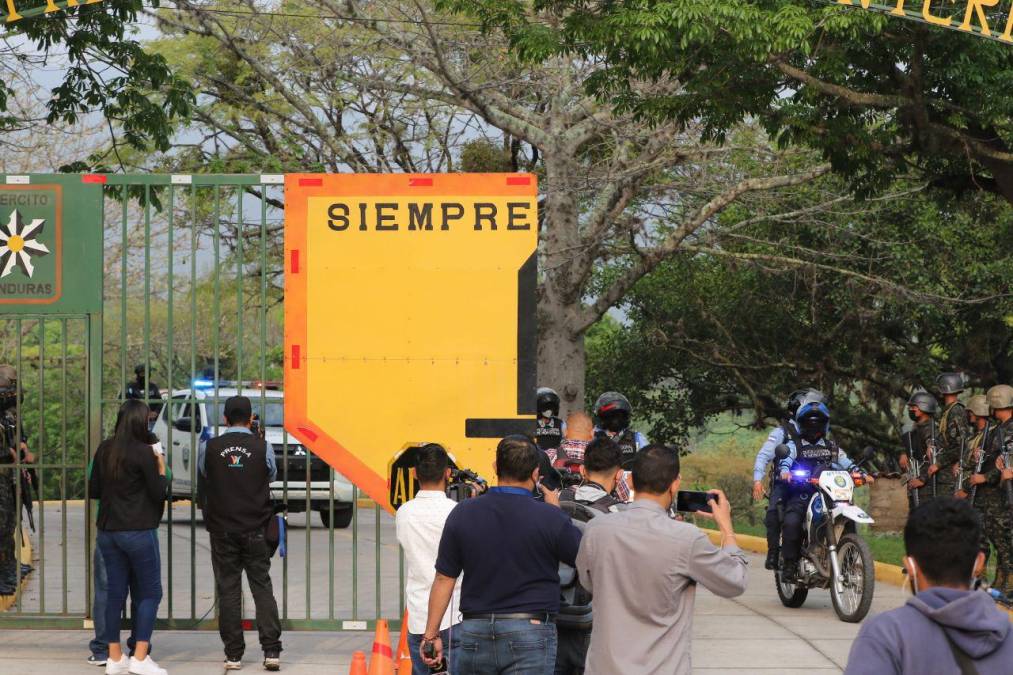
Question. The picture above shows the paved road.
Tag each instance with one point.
(750, 634)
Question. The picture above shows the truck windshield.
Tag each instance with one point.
(272, 414)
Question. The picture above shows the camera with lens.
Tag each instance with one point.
(465, 484)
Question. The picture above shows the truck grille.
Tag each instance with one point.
(296, 466)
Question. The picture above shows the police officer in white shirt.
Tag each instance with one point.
(419, 528)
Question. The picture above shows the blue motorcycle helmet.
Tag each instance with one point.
(813, 420)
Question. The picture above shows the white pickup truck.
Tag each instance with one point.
(181, 425)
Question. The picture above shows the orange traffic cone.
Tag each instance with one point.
(404, 657)
(382, 660)
(358, 664)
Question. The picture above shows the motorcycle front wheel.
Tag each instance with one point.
(791, 595)
(858, 579)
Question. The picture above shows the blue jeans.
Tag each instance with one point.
(451, 638)
(133, 562)
(100, 587)
(507, 647)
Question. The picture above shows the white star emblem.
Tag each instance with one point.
(18, 244)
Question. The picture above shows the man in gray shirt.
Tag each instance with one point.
(643, 566)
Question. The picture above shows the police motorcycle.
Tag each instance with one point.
(833, 555)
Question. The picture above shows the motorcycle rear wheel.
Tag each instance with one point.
(791, 594)
(859, 583)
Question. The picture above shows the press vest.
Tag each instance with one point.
(236, 484)
(549, 435)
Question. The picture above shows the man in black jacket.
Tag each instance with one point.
(236, 472)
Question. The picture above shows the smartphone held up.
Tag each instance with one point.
(692, 501)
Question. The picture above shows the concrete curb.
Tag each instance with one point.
(890, 574)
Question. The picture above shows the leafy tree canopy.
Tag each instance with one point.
(105, 68)
(736, 329)
(877, 95)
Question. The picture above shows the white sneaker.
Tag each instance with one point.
(233, 665)
(121, 667)
(145, 667)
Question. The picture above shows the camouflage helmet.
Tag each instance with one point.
(1000, 396)
(978, 405)
(950, 383)
(8, 375)
(800, 397)
(924, 401)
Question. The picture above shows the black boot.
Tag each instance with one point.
(771, 563)
(789, 571)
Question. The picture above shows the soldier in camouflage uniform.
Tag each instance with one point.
(921, 407)
(8, 495)
(992, 492)
(981, 427)
(953, 433)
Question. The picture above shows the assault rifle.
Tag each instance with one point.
(914, 468)
(981, 460)
(933, 459)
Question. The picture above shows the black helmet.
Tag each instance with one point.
(924, 401)
(613, 411)
(800, 397)
(547, 399)
(612, 401)
(139, 370)
(950, 383)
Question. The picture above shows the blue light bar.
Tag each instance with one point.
(800, 472)
(203, 384)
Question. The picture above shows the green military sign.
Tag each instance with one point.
(50, 245)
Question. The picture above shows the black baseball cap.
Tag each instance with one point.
(238, 407)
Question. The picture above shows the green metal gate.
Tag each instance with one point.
(191, 292)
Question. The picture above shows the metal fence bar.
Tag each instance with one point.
(170, 360)
(192, 405)
(18, 497)
(63, 455)
(41, 471)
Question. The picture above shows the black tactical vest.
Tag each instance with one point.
(548, 435)
(815, 456)
(236, 488)
(627, 442)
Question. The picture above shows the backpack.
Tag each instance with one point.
(575, 600)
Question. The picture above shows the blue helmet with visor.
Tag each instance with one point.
(813, 420)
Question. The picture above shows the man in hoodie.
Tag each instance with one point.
(946, 627)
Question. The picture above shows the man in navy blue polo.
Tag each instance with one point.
(509, 547)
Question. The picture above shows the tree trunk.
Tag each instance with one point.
(561, 358)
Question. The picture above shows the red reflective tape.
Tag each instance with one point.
(420, 182)
(295, 261)
(247, 624)
(295, 357)
(311, 182)
(94, 178)
(518, 180)
(308, 433)
(383, 650)
(606, 408)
